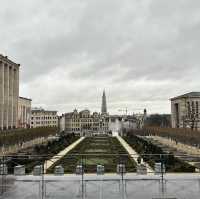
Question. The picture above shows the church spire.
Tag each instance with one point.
(104, 105)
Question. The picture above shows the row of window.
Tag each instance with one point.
(193, 108)
(85, 128)
(43, 118)
(43, 113)
(45, 122)
(45, 126)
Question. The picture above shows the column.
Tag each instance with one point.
(1, 94)
(15, 96)
(6, 95)
(10, 113)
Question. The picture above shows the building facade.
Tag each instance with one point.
(115, 124)
(9, 93)
(120, 124)
(43, 118)
(24, 112)
(185, 111)
(84, 123)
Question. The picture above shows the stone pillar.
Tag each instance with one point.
(1, 94)
(6, 95)
(15, 97)
(10, 113)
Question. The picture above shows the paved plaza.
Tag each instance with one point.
(91, 186)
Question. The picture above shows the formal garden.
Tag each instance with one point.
(96, 150)
(151, 154)
(18, 136)
(182, 135)
(37, 155)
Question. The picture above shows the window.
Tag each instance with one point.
(193, 108)
(188, 107)
(197, 109)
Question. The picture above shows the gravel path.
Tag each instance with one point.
(134, 155)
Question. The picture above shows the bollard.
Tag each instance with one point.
(19, 170)
(141, 169)
(100, 169)
(59, 170)
(37, 171)
(3, 169)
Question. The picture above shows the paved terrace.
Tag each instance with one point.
(109, 186)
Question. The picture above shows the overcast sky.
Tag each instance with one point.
(143, 52)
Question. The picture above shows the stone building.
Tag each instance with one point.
(120, 124)
(43, 118)
(9, 93)
(185, 111)
(115, 124)
(85, 123)
(24, 112)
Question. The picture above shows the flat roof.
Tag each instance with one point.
(190, 94)
(42, 110)
(25, 98)
(5, 58)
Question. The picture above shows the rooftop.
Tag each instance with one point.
(191, 94)
(42, 110)
(25, 98)
(5, 59)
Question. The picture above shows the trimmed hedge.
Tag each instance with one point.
(185, 136)
(38, 154)
(23, 135)
(152, 153)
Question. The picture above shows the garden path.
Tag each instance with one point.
(17, 147)
(185, 152)
(134, 155)
(191, 150)
(57, 157)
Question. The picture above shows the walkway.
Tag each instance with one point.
(185, 152)
(57, 157)
(191, 150)
(134, 155)
(17, 147)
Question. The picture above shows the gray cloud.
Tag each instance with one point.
(142, 52)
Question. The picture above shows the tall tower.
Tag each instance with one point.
(104, 105)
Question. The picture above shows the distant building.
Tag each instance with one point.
(185, 111)
(141, 119)
(9, 93)
(24, 112)
(115, 124)
(43, 118)
(85, 123)
(61, 122)
(119, 124)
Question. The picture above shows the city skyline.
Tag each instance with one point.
(141, 52)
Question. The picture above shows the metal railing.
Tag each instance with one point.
(83, 170)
